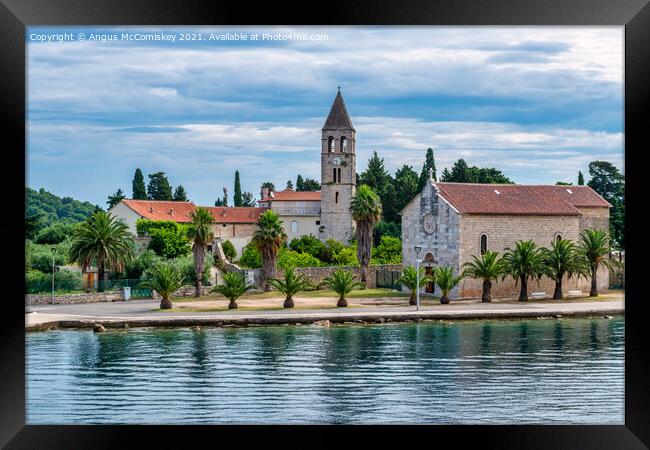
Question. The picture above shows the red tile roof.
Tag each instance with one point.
(289, 195)
(162, 210)
(235, 215)
(517, 199)
(180, 211)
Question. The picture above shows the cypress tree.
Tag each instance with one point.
(237, 199)
(299, 183)
(581, 179)
(429, 163)
(139, 190)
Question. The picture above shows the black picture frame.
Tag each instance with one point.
(15, 15)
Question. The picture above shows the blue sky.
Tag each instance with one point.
(538, 103)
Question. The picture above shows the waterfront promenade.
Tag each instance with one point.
(142, 313)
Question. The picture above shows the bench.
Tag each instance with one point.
(539, 295)
(575, 294)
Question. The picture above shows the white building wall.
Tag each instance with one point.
(126, 214)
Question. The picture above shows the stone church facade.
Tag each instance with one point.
(451, 222)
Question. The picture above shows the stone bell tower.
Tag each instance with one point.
(338, 174)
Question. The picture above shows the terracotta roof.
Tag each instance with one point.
(338, 116)
(161, 210)
(289, 195)
(223, 214)
(517, 199)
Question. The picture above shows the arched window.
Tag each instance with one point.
(558, 237)
(339, 174)
(336, 197)
(294, 226)
(344, 144)
(483, 243)
(330, 144)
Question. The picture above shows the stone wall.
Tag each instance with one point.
(186, 291)
(86, 297)
(597, 218)
(316, 274)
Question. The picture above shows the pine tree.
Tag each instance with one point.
(375, 175)
(429, 163)
(225, 196)
(248, 200)
(237, 199)
(446, 175)
(310, 185)
(159, 187)
(289, 184)
(581, 179)
(115, 198)
(299, 183)
(139, 190)
(180, 195)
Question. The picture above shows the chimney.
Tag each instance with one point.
(265, 192)
(151, 209)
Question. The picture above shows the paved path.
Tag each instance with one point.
(141, 313)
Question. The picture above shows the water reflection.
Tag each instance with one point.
(533, 371)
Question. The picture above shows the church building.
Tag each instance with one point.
(451, 222)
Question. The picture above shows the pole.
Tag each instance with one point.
(52, 299)
(417, 284)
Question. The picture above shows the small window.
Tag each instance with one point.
(294, 226)
(318, 222)
(334, 175)
(344, 144)
(336, 198)
(483, 243)
(330, 144)
(339, 174)
(569, 191)
(497, 192)
(224, 225)
(558, 237)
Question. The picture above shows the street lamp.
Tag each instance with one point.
(417, 249)
(53, 252)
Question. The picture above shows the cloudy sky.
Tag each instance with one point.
(538, 103)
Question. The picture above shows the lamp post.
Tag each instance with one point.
(417, 249)
(53, 252)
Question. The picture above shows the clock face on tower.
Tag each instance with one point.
(336, 160)
(429, 223)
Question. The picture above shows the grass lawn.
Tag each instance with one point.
(357, 293)
(249, 308)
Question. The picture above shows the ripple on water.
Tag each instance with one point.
(563, 371)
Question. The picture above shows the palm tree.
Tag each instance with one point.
(366, 211)
(234, 286)
(165, 279)
(342, 282)
(102, 240)
(200, 231)
(595, 246)
(269, 237)
(409, 279)
(487, 268)
(446, 280)
(290, 285)
(563, 258)
(523, 262)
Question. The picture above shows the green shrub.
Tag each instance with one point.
(141, 264)
(170, 242)
(251, 257)
(389, 251)
(382, 229)
(229, 250)
(289, 259)
(39, 257)
(308, 244)
(64, 280)
(346, 257)
(143, 226)
(185, 265)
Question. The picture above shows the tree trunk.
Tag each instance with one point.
(444, 299)
(594, 282)
(165, 303)
(288, 302)
(412, 299)
(364, 244)
(199, 263)
(342, 303)
(557, 294)
(523, 293)
(100, 277)
(232, 304)
(268, 267)
(487, 294)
